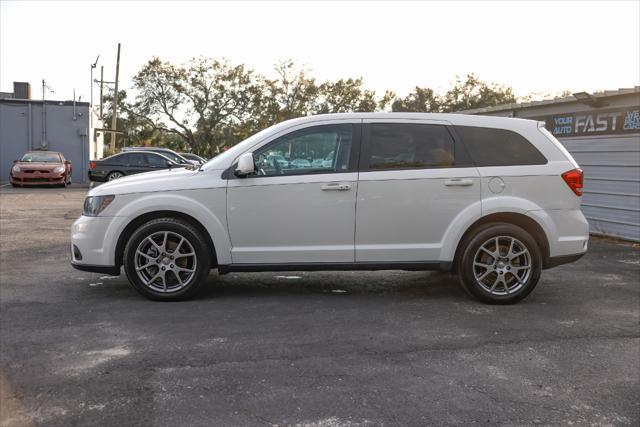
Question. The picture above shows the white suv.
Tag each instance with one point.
(494, 199)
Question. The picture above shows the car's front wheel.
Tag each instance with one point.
(500, 264)
(167, 259)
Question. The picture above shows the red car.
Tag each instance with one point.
(41, 168)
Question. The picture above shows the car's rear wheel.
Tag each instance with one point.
(167, 259)
(500, 264)
(114, 175)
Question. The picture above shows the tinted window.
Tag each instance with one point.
(403, 146)
(313, 150)
(135, 159)
(499, 147)
(174, 158)
(120, 159)
(156, 161)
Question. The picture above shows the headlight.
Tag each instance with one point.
(93, 205)
(58, 169)
(15, 169)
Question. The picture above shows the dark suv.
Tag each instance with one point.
(128, 163)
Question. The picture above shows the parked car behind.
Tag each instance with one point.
(41, 168)
(128, 163)
(194, 157)
(494, 199)
(170, 154)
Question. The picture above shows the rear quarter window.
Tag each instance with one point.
(498, 147)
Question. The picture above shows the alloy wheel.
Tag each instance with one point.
(165, 261)
(502, 265)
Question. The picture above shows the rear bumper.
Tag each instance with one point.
(96, 176)
(562, 259)
(566, 230)
(110, 270)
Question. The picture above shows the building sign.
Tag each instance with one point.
(605, 122)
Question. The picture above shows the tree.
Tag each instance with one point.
(195, 101)
(136, 132)
(474, 93)
(423, 100)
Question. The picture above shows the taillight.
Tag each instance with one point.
(92, 165)
(574, 178)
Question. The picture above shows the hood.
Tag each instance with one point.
(162, 180)
(38, 165)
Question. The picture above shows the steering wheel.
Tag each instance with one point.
(276, 166)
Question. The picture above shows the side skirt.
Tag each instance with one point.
(340, 266)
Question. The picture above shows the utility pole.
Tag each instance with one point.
(45, 88)
(43, 142)
(115, 104)
(91, 92)
(101, 84)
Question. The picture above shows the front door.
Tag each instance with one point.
(414, 181)
(299, 205)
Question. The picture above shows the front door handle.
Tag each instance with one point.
(458, 182)
(336, 187)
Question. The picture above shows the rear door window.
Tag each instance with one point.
(409, 146)
(498, 147)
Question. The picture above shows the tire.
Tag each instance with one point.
(510, 275)
(114, 175)
(166, 278)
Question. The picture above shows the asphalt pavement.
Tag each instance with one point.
(309, 349)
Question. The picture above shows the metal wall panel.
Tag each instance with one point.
(611, 165)
(21, 130)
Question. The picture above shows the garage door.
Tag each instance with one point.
(611, 165)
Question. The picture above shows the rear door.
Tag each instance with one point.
(414, 180)
(136, 163)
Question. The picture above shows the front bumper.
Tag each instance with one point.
(94, 241)
(24, 178)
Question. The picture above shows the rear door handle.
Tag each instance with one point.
(458, 182)
(336, 187)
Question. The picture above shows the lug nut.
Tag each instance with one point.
(162, 268)
(171, 265)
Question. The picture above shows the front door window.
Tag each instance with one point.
(321, 149)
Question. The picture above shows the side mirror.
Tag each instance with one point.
(245, 165)
(16, 161)
(169, 164)
(67, 162)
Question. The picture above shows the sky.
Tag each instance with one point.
(541, 47)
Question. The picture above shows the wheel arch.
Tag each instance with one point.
(521, 220)
(136, 222)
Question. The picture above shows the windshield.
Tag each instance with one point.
(41, 157)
